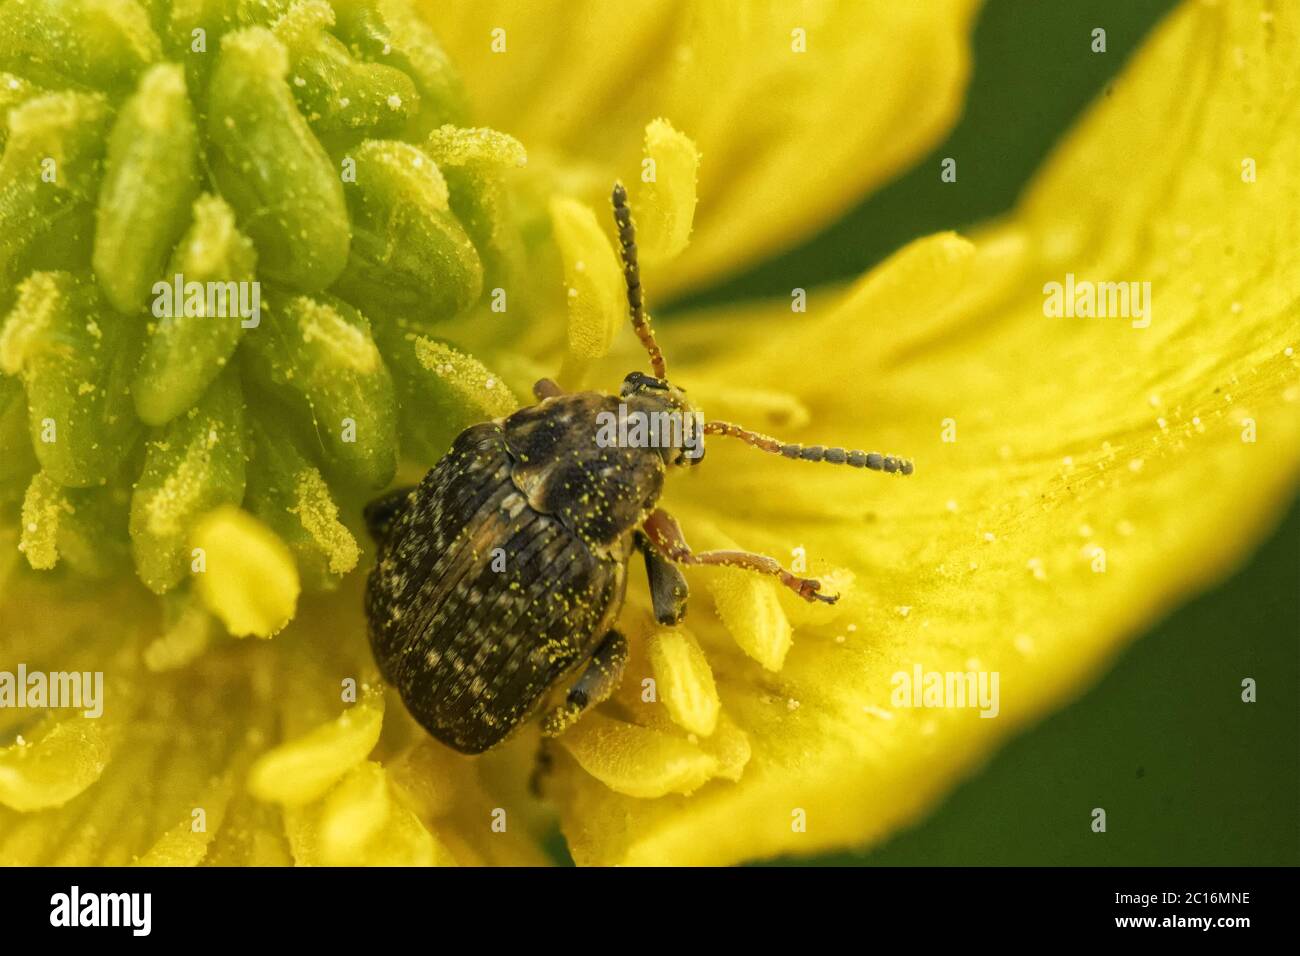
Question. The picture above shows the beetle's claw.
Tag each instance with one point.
(543, 766)
(809, 590)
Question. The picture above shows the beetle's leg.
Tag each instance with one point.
(597, 681)
(666, 535)
(545, 388)
(543, 764)
(383, 511)
(668, 590)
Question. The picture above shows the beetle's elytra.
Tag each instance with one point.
(501, 575)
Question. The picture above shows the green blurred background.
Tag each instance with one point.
(1187, 773)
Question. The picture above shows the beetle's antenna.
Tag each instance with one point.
(836, 456)
(632, 276)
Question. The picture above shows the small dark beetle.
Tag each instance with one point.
(502, 574)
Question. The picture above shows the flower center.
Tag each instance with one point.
(233, 239)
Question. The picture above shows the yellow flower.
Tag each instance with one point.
(1075, 476)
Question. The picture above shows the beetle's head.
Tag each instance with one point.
(677, 429)
(654, 394)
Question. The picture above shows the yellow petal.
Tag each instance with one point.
(1075, 477)
(789, 139)
(166, 747)
(175, 770)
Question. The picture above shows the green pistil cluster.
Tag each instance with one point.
(307, 167)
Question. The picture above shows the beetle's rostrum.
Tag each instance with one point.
(500, 577)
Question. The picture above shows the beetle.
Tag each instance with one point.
(499, 578)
